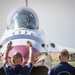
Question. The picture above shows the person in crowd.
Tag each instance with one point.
(63, 68)
(17, 59)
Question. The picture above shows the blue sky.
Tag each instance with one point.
(56, 18)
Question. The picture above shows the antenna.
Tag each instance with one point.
(26, 1)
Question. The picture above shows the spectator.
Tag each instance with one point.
(63, 68)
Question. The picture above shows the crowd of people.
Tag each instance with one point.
(62, 68)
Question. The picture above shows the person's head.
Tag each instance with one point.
(17, 58)
(64, 55)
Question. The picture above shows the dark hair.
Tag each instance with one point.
(17, 54)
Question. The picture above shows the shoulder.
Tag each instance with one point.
(7, 68)
(56, 66)
(71, 67)
(27, 68)
(29, 65)
(6, 65)
(51, 70)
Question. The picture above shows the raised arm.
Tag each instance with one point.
(31, 55)
(8, 48)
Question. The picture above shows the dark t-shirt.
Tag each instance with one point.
(18, 69)
(63, 68)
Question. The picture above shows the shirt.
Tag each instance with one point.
(63, 68)
(17, 69)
